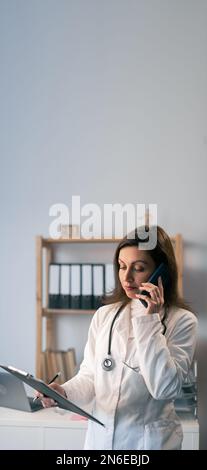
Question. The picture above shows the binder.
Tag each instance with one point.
(86, 293)
(75, 286)
(109, 278)
(39, 385)
(54, 285)
(64, 286)
(98, 284)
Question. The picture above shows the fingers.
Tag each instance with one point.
(149, 285)
(156, 300)
(153, 291)
(160, 285)
(156, 292)
(152, 305)
(155, 296)
(146, 298)
(58, 388)
(47, 402)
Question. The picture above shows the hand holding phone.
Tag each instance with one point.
(162, 271)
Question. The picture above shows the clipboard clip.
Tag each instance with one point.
(22, 372)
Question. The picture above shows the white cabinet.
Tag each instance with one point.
(63, 438)
(190, 433)
(20, 437)
(51, 428)
(54, 428)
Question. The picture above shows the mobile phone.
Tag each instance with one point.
(161, 270)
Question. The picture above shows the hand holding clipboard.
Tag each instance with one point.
(50, 382)
(43, 388)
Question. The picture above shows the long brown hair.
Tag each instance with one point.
(163, 252)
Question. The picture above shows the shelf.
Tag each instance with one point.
(52, 241)
(48, 312)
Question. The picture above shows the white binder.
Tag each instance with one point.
(109, 277)
(98, 284)
(75, 286)
(86, 294)
(54, 285)
(65, 286)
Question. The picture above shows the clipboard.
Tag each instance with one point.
(43, 388)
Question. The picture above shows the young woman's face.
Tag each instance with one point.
(135, 267)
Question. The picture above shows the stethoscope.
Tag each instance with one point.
(109, 363)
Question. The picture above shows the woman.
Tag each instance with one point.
(134, 376)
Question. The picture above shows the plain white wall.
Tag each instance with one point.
(106, 100)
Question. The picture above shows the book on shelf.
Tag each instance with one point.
(54, 361)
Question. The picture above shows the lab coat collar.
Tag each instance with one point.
(123, 321)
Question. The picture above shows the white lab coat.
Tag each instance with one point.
(136, 406)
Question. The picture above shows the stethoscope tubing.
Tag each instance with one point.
(108, 362)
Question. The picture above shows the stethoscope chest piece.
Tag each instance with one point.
(108, 363)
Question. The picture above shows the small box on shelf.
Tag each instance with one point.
(68, 232)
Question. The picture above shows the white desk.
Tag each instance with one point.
(54, 428)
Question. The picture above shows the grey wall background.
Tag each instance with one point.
(106, 100)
